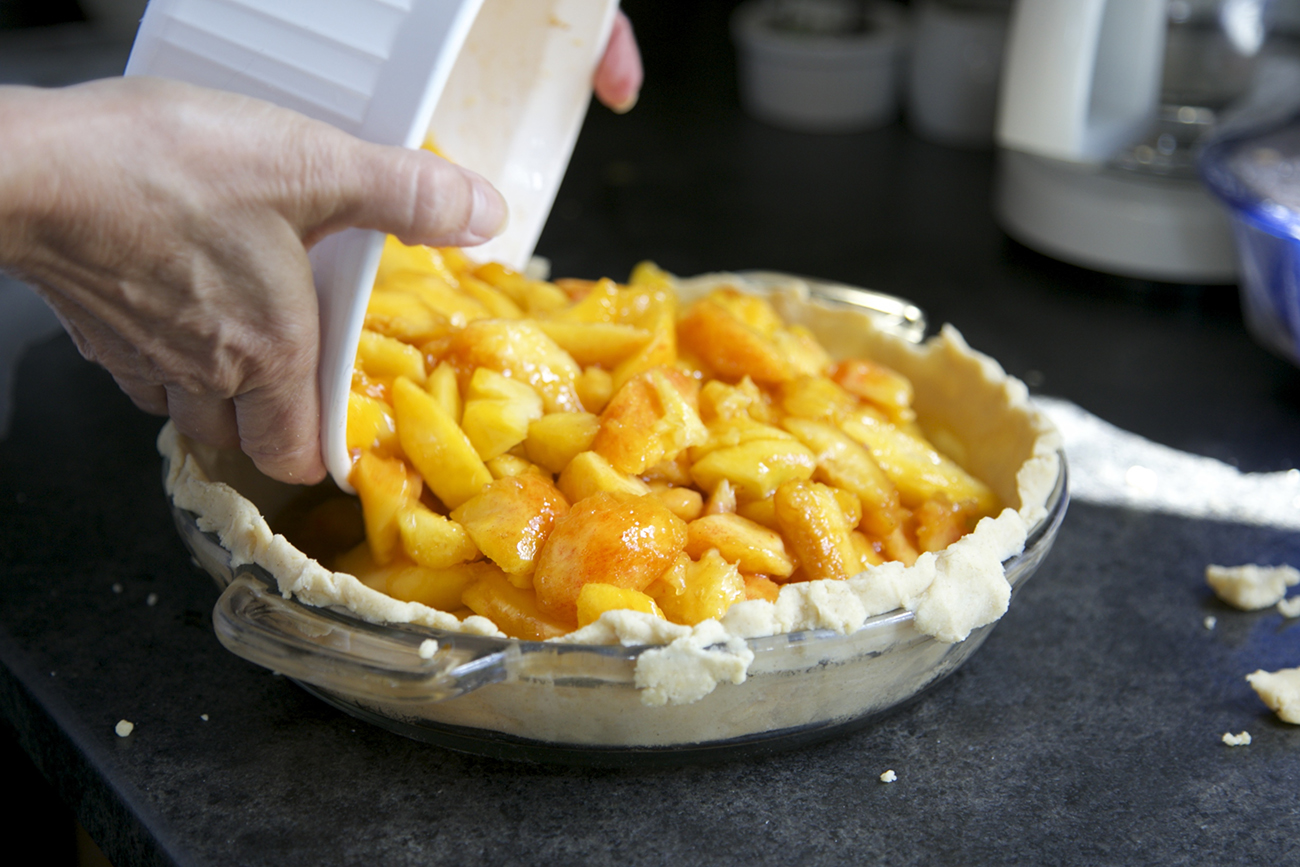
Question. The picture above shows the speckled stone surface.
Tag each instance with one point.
(1085, 731)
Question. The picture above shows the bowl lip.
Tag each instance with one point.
(1037, 542)
(1248, 204)
(751, 30)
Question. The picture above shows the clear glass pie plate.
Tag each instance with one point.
(579, 704)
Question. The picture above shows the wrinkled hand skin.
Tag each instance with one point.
(168, 227)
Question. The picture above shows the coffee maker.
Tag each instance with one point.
(1104, 105)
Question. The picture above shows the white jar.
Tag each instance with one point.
(820, 65)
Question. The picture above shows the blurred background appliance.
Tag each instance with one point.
(1104, 105)
(954, 68)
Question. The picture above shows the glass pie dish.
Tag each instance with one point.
(581, 703)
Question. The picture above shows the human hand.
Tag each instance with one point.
(168, 227)
(618, 77)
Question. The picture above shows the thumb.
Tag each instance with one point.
(413, 194)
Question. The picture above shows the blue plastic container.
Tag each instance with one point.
(1258, 177)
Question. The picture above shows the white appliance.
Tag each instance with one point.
(1102, 106)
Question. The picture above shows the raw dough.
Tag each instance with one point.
(1251, 587)
(1280, 690)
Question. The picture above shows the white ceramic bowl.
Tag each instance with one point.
(809, 77)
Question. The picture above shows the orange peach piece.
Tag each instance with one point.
(645, 305)
(589, 473)
(843, 463)
(399, 259)
(511, 520)
(615, 539)
(816, 397)
(496, 302)
(533, 296)
(753, 310)
(692, 591)
(752, 547)
(658, 351)
(648, 275)
(376, 388)
(508, 280)
(868, 553)
(755, 468)
(762, 512)
(595, 387)
(403, 316)
(509, 465)
(650, 419)
(670, 472)
(761, 587)
(555, 439)
(917, 470)
(388, 358)
(685, 503)
(433, 540)
(729, 346)
(875, 382)
(445, 389)
(598, 302)
(514, 610)
(437, 446)
(577, 288)
(595, 599)
(896, 546)
(812, 522)
(441, 297)
(370, 425)
(800, 348)
(939, 523)
(438, 588)
(521, 350)
(722, 501)
(739, 430)
(386, 488)
(603, 343)
(720, 401)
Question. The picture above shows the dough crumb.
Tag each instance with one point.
(203, 717)
(117, 588)
(1211, 622)
(428, 648)
(1280, 690)
(1251, 587)
(151, 600)
(888, 777)
(1241, 740)
(124, 728)
(1289, 607)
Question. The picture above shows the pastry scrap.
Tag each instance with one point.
(1251, 587)
(1280, 690)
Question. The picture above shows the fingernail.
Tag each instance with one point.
(490, 214)
(626, 105)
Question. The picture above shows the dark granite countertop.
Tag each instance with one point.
(1085, 731)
